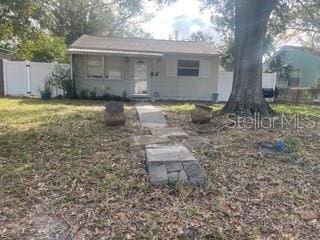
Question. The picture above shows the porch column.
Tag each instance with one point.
(71, 68)
(154, 77)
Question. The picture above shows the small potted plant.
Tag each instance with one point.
(46, 92)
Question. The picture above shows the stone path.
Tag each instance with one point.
(150, 116)
(173, 163)
(168, 132)
(149, 139)
(166, 163)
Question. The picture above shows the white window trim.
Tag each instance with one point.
(196, 68)
(122, 70)
(103, 68)
(86, 69)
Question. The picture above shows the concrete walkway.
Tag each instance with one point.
(150, 116)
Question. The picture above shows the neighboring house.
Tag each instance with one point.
(300, 64)
(158, 69)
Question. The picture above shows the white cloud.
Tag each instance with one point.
(184, 16)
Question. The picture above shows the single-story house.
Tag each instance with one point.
(148, 68)
(302, 64)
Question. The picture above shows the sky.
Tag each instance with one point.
(186, 17)
(183, 16)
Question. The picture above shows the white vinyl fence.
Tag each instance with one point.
(226, 80)
(27, 78)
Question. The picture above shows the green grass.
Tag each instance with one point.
(184, 108)
(304, 110)
(27, 113)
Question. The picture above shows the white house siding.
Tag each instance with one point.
(167, 84)
(101, 86)
(170, 86)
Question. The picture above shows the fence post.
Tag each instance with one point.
(274, 80)
(1, 77)
(28, 78)
(5, 77)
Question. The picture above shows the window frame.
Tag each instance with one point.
(188, 68)
(87, 66)
(103, 57)
(298, 70)
(121, 68)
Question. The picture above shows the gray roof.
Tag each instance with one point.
(314, 51)
(96, 43)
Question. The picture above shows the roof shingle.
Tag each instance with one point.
(143, 45)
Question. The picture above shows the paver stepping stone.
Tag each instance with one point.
(150, 116)
(174, 167)
(169, 132)
(173, 163)
(166, 163)
(158, 174)
(149, 139)
(168, 153)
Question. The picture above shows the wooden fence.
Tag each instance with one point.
(298, 95)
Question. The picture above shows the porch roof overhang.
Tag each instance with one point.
(113, 52)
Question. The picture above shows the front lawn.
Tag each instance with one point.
(184, 108)
(65, 175)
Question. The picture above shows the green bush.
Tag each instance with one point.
(83, 94)
(43, 48)
(61, 79)
(92, 95)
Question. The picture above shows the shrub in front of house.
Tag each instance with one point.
(92, 95)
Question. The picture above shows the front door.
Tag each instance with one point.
(140, 76)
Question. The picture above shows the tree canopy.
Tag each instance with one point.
(26, 22)
(200, 36)
(289, 18)
(43, 48)
(72, 19)
(17, 19)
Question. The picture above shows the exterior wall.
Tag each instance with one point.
(102, 85)
(170, 86)
(307, 62)
(167, 84)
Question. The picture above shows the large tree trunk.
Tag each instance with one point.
(251, 22)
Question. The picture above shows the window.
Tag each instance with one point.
(113, 68)
(188, 68)
(294, 80)
(94, 67)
